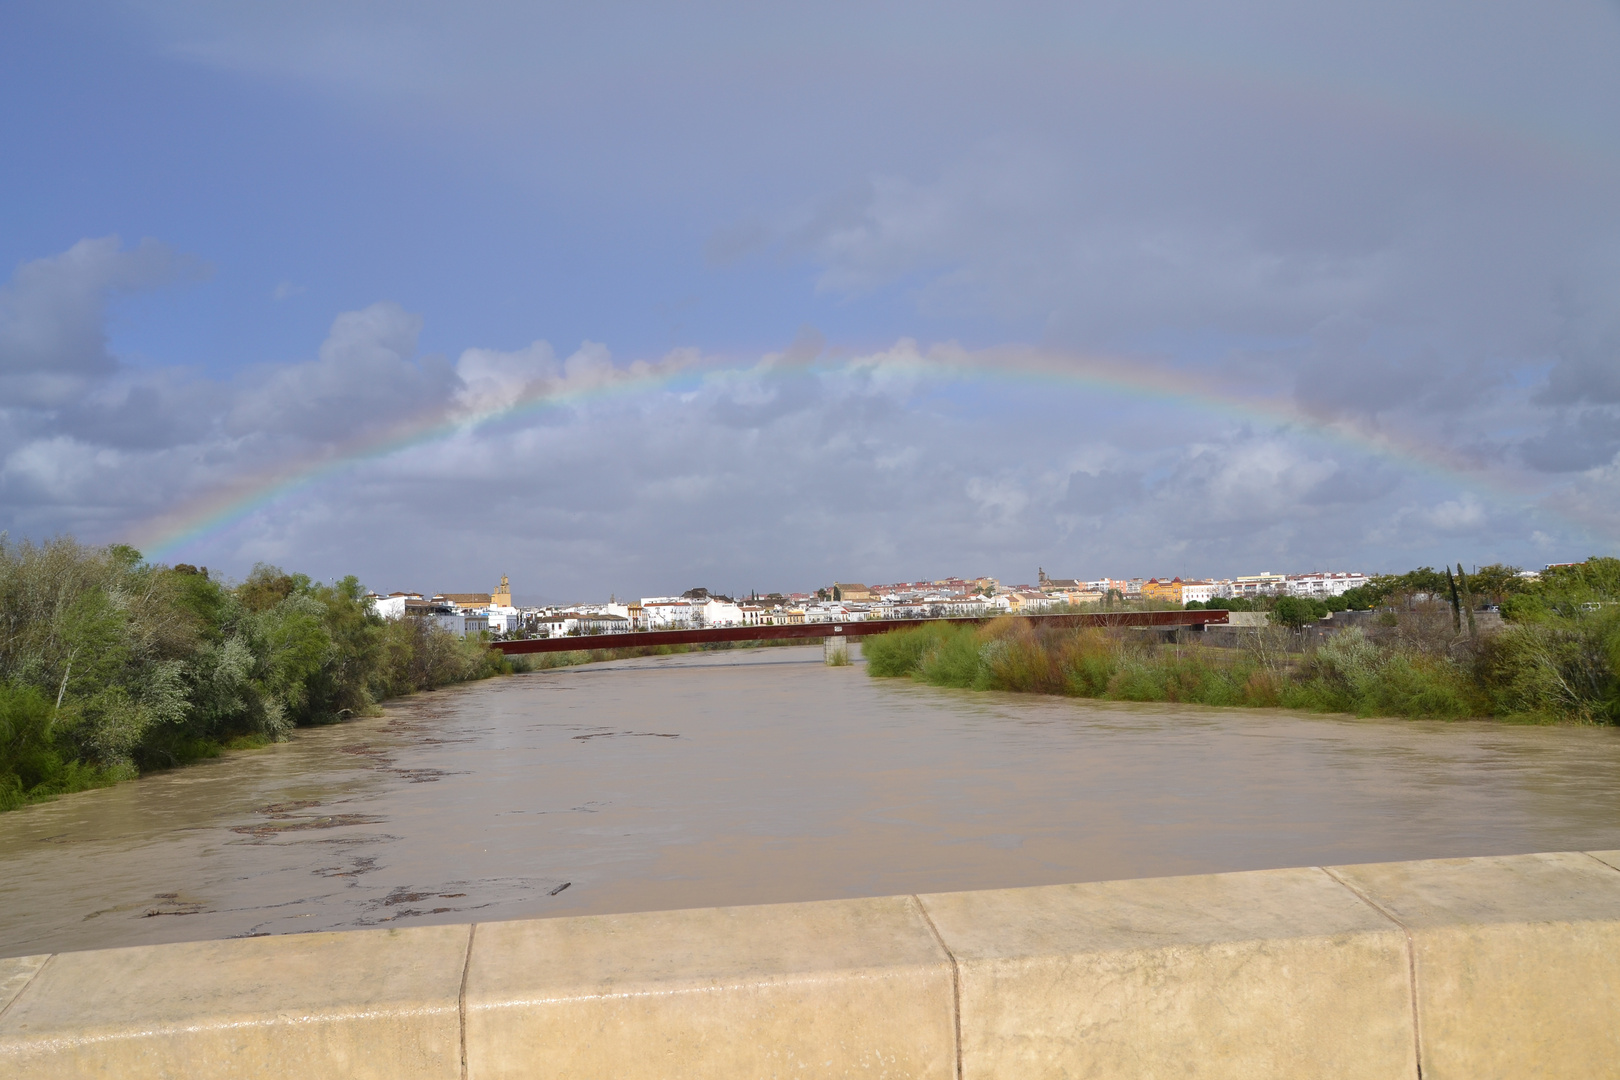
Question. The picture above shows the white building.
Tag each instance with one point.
(1320, 586)
(1265, 583)
(391, 606)
(579, 624)
(1197, 591)
(504, 619)
(958, 607)
(722, 613)
(465, 623)
(668, 612)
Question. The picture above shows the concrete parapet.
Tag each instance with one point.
(1273, 973)
(1472, 967)
(837, 988)
(1516, 961)
(378, 1004)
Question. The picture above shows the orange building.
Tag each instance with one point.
(1168, 591)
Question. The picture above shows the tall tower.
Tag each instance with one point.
(501, 597)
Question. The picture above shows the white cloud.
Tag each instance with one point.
(59, 467)
(1456, 515)
(366, 375)
(785, 471)
(53, 341)
(492, 380)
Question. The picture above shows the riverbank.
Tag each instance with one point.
(37, 764)
(111, 666)
(1534, 673)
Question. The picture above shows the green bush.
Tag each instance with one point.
(110, 665)
(901, 652)
(1543, 671)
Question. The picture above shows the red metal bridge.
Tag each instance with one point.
(864, 628)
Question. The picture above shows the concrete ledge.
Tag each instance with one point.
(371, 1004)
(1517, 961)
(839, 988)
(1473, 967)
(1275, 973)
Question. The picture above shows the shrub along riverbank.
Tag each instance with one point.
(1555, 660)
(111, 666)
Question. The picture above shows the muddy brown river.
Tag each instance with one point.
(756, 776)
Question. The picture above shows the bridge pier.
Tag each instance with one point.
(835, 650)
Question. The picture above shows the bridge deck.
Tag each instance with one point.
(815, 631)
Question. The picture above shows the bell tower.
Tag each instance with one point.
(501, 597)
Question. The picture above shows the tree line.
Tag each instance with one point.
(111, 665)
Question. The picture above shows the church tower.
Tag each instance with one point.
(501, 597)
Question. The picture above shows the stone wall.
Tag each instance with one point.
(1475, 968)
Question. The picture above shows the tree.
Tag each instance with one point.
(1496, 582)
(1296, 611)
(1361, 598)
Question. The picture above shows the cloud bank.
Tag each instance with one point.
(581, 473)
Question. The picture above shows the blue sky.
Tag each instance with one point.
(245, 240)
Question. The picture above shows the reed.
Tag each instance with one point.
(1541, 672)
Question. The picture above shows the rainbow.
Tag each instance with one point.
(1518, 141)
(241, 496)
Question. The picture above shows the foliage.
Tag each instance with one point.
(1553, 668)
(1495, 583)
(1416, 667)
(110, 665)
(1566, 592)
(1296, 611)
(1230, 603)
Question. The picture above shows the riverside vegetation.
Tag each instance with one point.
(111, 666)
(1556, 657)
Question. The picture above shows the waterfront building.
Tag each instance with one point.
(1197, 591)
(392, 606)
(464, 601)
(579, 624)
(1167, 591)
(1026, 602)
(668, 612)
(1265, 583)
(1059, 585)
(1318, 586)
(719, 612)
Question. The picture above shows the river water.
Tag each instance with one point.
(755, 776)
